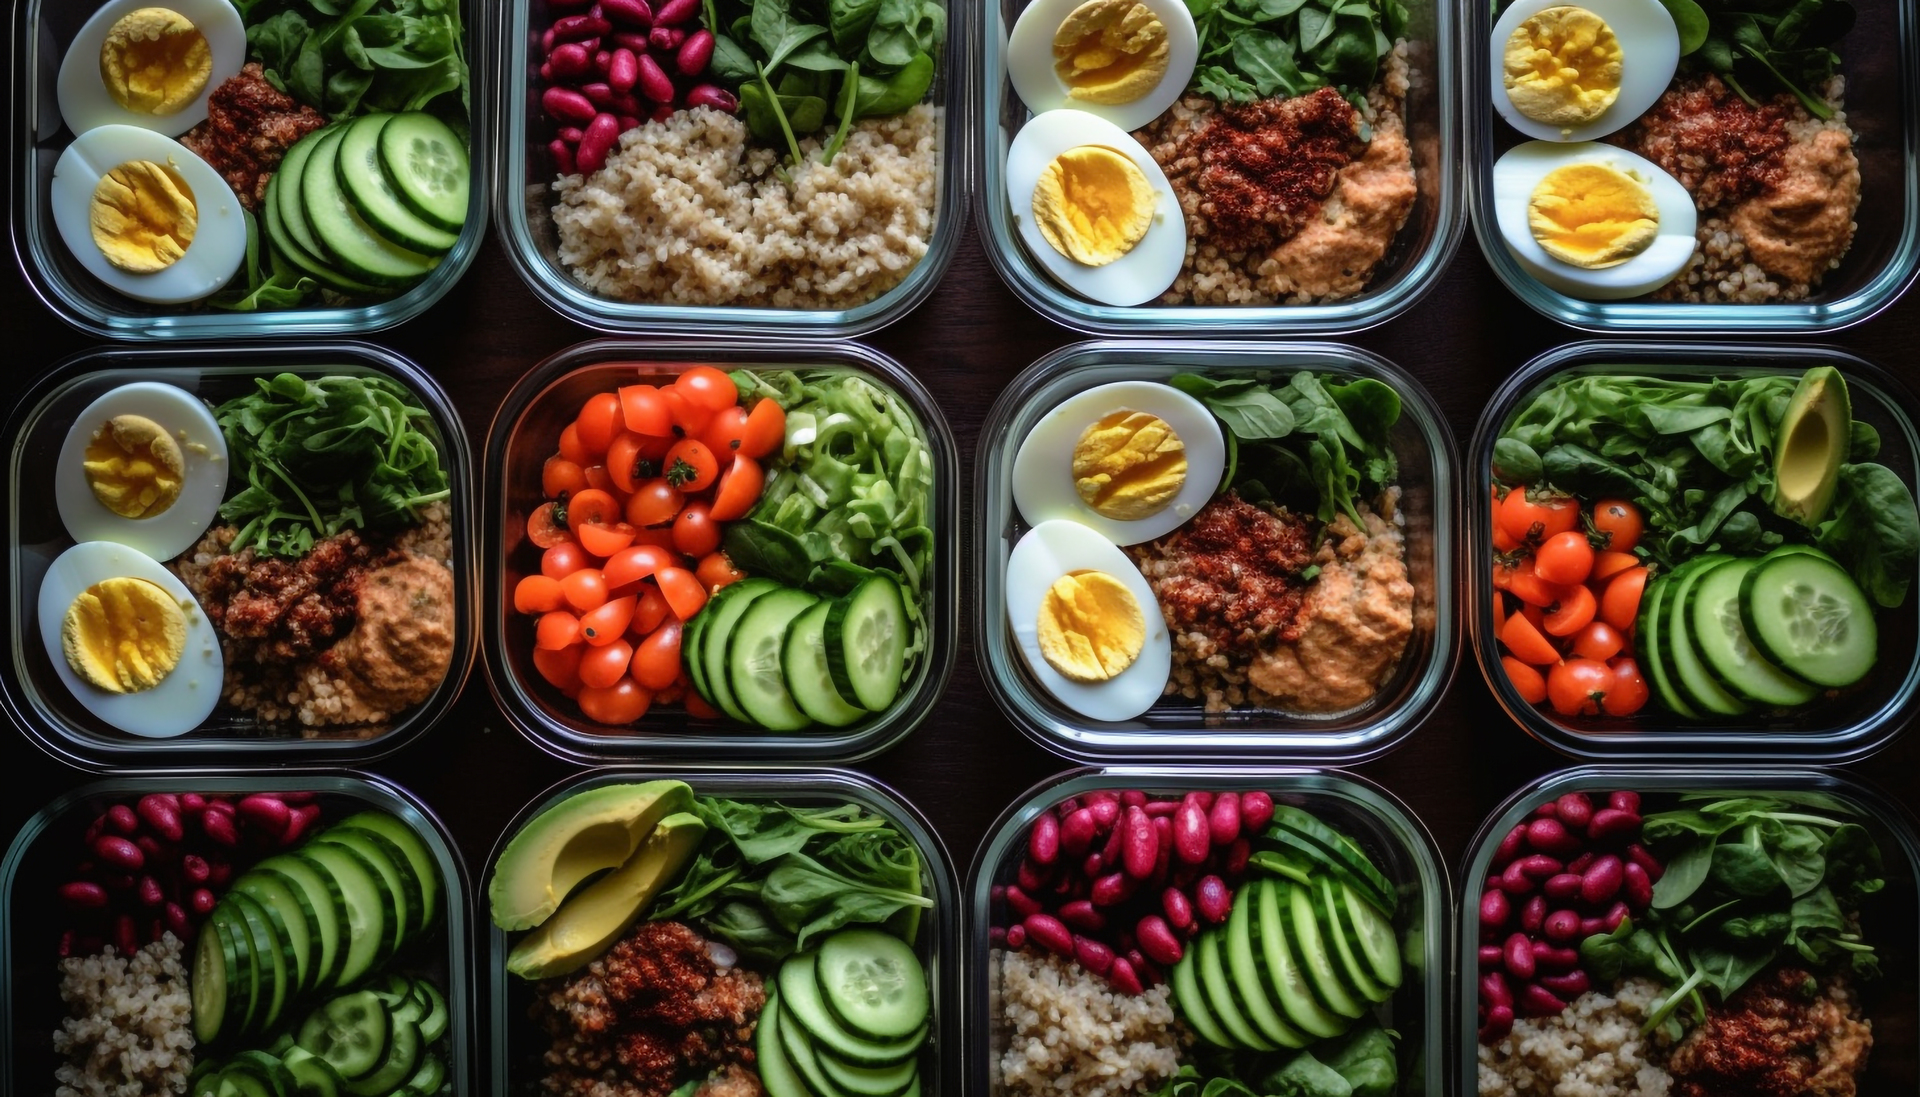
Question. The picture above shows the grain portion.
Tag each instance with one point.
(1066, 1033)
(129, 1032)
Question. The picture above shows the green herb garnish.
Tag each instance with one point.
(1257, 49)
(1754, 43)
(370, 55)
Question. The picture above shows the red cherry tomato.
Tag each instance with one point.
(600, 418)
(708, 387)
(601, 667)
(592, 506)
(1536, 519)
(563, 560)
(656, 661)
(1526, 642)
(1564, 558)
(1598, 640)
(739, 489)
(690, 466)
(645, 411)
(1525, 584)
(585, 589)
(1572, 608)
(1629, 692)
(604, 541)
(682, 590)
(1620, 603)
(1527, 682)
(689, 418)
(695, 533)
(1620, 521)
(630, 565)
(1578, 686)
(544, 527)
(622, 703)
(1608, 564)
(537, 594)
(716, 571)
(560, 477)
(556, 630)
(573, 448)
(559, 666)
(604, 624)
(654, 504)
(725, 431)
(766, 430)
(649, 611)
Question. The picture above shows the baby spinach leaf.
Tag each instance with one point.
(1743, 870)
(1686, 870)
(1267, 60)
(1874, 530)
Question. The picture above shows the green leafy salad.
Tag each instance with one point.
(1258, 49)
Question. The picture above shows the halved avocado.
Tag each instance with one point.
(1260, 1007)
(1809, 446)
(587, 833)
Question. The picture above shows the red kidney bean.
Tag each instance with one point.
(634, 13)
(1638, 886)
(1624, 800)
(193, 868)
(1237, 855)
(675, 12)
(1080, 914)
(599, 94)
(1162, 857)
(996, 935)
(1095, 956)
(119, 853)
(126, 935)
(694, 53)
(665, 39)
(1156, 809)
(1256, 811)
(1515, 881)
(1539, 866)
(1517, 954)
(1070, 885)
(1562, 926)
(570, 60)
(1140, 848)
(1020, 903)
(1533, 915)
(269, 813)
(1043, 839)
(1123, 976)
(1157, 941)
(578, 28)
(1492, 955)
(1579, 865)
(1574, 809)
(1555, 957)
(192, 803)
(1094, 866)
(1592, 927)
(147, 890)
(1499, 1024)
(1510, 848)
(1494, 908)
(219, 827)
(1133, 798)
(201, 901)
(1569, 986)
(1639, 855)
(1223, 819)
(94, 830)
(1049, 933)
(1112, 889)
(1212, 900)
(567, 105)
(83, 895)
(622, 72)
(546, 41)
(1112, 852)
(602, 61)
(1538, 1001)
(161, 812)
(122, 818)
(1615, 914)
(1562, 887)
(628, 40)
(176, 916)
(307, 814)
(1076, 832)
(1547, 810)
(1106, 810)
(1191, 842)
(151, 848)
(1614, 825)
(1030, 876)
(625, 106)
(218, 873)
(652, 80)
(1016, 937)
(1552, 836)
(1493, 988)
(1178, 908)
(546, 72)
(1602, 880)
(571, 134)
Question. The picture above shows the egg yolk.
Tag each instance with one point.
(124, 635)
(155, 61)
(1091, 627)
(1110, 51)
(1093, 204)
(1562, 67)
(1129, 465)
(134, 467)
(1593, 215)
(143, 216)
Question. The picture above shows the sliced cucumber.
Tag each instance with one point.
(404, 1051)
(396, 874)
(1721, 637)
(328, 907)
(754, 646)
(809, 677)
(1221, 998)
(1651, 639)
(282, 245)
(426, 870)
(292, 917)
(1260, 1007)
(777, 1072)
(799, 1049)
(343, 235)
(866, 640)
(427, 163)
(243, 970)
(1352, 967)
(713, 641)
(273, 955)
(1683, 654)
(864, 1081)
(1807, 615)
(373, 194)
(1316, 953)
(1290, 981)
(312, 1075)
(1372, 931)
(1302, 832)
(210, 985)
(431, 1076)
(1185, 981)
(350, 1032)
(434, 1024)
(370, 907)
(873, 984)
(285, 184)
(800, 995)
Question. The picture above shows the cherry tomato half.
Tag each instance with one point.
(1572, 608)
(766, 429)
(1620, 603)
(560, 477)
(546, 526)
(739, 489)
(562, 560)
(601, 667)
(1598, 640)
(622, 703)
(592, 507)
(559, 666)
(725, 431)
(1529, 683)
(645, 411)
(716, 571)
(1526, 642)
(656, 660)
(655, 503)
(537, 594)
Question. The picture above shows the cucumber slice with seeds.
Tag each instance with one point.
(1808, 615)
(873, 984)
(427, 163)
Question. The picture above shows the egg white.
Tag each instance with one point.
(1050, 550)
(1043, 468)
(1030, 62)
(219, 242)
(1136, 277)
(1515, 176)
(185, 697)
(202, 446)
(84, 100)
(1649, 54)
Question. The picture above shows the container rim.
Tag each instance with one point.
(562, 294)
(1298, 742)
(56, 735)
(909, 710)
(1648, 742)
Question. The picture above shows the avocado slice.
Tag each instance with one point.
(588, 923)
(1261, 1009)
(1810, 445)
(584, 834)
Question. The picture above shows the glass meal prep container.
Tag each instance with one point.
(1177, 727)
(517, 1044)
(1409, 267)
(43, 33)
(46, 856)
(1886, 917)
(1837, 727)
(1880, 60)
(1387, 832)
(43, 697)
(524, 436)
(524, 178)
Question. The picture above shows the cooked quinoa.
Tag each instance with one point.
(1591, 1049)
(689, 212)
(1068, 1034)
(129, 1032)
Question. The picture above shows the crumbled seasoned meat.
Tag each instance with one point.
(249, 128)
(1785, 1034)
(293, 607)
(1263, 169)
(1238, 577)
(651, 1013)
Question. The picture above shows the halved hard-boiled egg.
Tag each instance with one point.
(128, 639)
(1592, 221)
(1124, 60)
(144, 465)
(1087, 621)
(1094, 208)
(1577, 70)
(1132, 460)
(146, 216)
(150, 63)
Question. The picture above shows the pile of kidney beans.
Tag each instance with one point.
(160, 863)
(1118, 880)
(608, 65)
(1571, 870)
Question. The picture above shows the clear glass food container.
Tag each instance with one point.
(45, 853)
(1889, 917)
(517, 1045)
(1411, 265)
(1880, 58)
(1389, 833)
(34, 694)
(42, 33)
(1176, 728)
(525, 433)
(1856, 723)
(524, 200)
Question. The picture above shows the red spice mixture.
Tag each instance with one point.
(1239, 581)
(1262, 170)
(1785, 1034)
(1720, 147)
(249, 128)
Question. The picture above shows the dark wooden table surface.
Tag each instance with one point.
(966, 762)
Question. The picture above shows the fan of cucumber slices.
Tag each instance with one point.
(296, 958)
(845, 1020)
(368, 207)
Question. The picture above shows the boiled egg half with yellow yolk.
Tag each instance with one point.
(128, 639)
(1592, 221)
(1087, 622)
(1132, 460)
(1577, 70)
(1094, 208)
(144, 465)
(150, 63)
(1124, 60)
